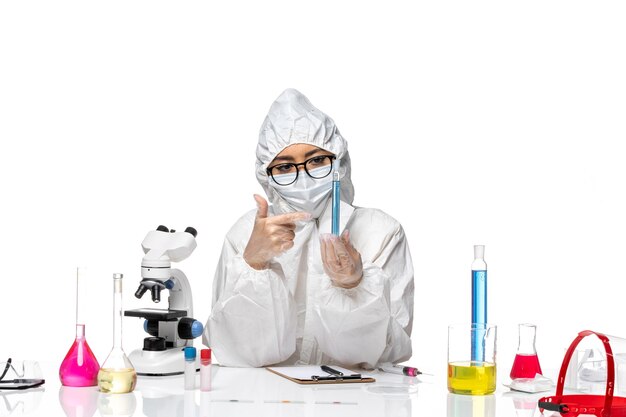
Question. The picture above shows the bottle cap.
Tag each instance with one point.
(205, 354)
(479, 251)
(190, 353)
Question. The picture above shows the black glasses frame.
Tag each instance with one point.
(6, 369)
(331, 157)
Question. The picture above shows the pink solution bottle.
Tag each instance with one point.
(526, 363)
(80, 366)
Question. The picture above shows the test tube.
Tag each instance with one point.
(336, 199)
(190, 368)
(479, 303)
(205, 370)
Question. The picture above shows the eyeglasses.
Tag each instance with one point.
(317, 167)
(20, 383)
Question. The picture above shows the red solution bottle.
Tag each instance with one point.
(526, 363)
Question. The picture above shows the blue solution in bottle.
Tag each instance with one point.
(479, 303)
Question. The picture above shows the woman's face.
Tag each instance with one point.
(288, 164)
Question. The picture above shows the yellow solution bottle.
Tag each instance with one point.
(117, 375)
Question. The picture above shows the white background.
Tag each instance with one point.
(496, 122)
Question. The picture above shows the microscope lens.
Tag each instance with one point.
(141, 291)
(156, 293)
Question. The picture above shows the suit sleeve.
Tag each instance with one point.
(371, 323)
(253, 318)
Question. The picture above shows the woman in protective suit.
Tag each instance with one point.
(285, 290)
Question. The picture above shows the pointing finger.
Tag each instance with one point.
(292, 217)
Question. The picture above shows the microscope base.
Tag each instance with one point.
(160, 363)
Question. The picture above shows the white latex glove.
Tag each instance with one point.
(342, 263)
(270, 236)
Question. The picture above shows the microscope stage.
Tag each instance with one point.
(156, 314)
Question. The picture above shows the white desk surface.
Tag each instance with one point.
(258, 392)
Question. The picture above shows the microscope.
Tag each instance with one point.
(170, 329)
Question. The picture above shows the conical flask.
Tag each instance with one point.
(80, 366)
(117, 375)
(526, 363)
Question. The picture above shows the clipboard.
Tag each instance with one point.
(303, 375)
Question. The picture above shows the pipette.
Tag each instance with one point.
(336, 199)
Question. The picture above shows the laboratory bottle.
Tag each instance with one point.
(205, 370)
(190, 367)
(80, 366)
(117, 375)
(526, 362)
(479, 300)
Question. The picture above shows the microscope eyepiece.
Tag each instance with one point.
(141, 291)
(156, 293)
(192, 231)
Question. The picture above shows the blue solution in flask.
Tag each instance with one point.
(479, 303)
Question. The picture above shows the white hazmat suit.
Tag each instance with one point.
(291, 313)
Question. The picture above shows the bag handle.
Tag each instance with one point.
(610, 370)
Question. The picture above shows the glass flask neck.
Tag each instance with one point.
(117, 313)
(80, 331)
(81, 275)
(527, 334)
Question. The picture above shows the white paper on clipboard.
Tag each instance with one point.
(306, 372)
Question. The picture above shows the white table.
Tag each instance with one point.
(258, 392)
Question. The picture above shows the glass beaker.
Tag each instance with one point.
(117, 375)
(465, 375)
(80, 366)
(526, 363)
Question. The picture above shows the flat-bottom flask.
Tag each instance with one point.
(117, 375)
(526, 362)
(80, 366)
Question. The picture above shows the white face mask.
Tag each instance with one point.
(306, 194)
